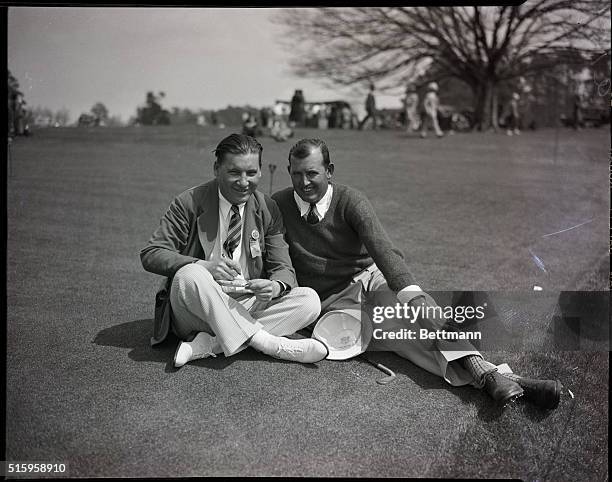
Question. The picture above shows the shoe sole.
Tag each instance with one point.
(174, 360)
(326, 350)
(511, 398)
(174, 363)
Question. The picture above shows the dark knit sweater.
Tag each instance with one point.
(327, 255)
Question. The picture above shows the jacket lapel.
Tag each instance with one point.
(208, 221)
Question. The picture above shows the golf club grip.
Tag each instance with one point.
(384, 369)
(380, 366)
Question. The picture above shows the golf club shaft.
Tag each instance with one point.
(380, 366)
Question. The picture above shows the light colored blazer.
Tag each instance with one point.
(188, 231)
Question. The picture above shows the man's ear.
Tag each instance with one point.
(289, 168)
(216, 168)
(330, 170)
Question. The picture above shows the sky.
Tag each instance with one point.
(201, 58)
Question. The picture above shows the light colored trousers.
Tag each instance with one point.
(199, 304)
(430, 119)
(432, 357)
(412, 119)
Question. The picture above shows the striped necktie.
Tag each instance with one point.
(233, 232)
(312, 217)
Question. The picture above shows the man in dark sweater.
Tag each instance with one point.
(339, 248)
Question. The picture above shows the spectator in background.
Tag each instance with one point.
(577, 118)
(280, 131)
(277, 111)
(297, 114)
(310, 113)
(411, 109)
(429, 112)
(370, 106)
(347, 117)
(264, 117)
(249, 126)
(513, 118)
(322, 118)
(332, 123)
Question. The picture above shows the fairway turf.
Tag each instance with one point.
(470, 211)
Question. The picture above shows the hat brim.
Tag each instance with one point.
(346, 333)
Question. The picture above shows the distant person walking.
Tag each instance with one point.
(429, 113)
(513, 118)
(411, 108)
(370, 106)
(265, 116)
(347, 117)
(297, 114)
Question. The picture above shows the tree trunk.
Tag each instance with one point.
(485, 105)
(494, 108)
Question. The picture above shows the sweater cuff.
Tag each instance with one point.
(408, 293)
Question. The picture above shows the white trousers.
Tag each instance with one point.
(412, 119)
(433, 357)
(199, 304)
(430, 118)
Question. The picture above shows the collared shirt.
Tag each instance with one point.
(225, 214)
(321, 207)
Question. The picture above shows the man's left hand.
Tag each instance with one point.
(424, 301)
(264, 289)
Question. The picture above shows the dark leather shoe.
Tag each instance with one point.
(501, 389)
(543, 393)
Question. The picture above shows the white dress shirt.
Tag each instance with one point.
(321, 207)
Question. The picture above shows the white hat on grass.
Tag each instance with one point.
(346, 333)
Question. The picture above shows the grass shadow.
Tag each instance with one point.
(136, 335)
(488, 410)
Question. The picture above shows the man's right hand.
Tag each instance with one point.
(221, 268)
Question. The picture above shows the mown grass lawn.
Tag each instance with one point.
(470, 211)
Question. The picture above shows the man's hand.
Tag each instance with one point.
(237, 285)
(264, 289)
(430, 319)
(221, 268)
(419, 301)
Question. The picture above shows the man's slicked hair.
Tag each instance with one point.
(238, 144)
(305, 147)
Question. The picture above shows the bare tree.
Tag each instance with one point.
(99, 113)
(482, 46)
(61, 117)
(17, 112)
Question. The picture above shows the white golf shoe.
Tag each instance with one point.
(306, 350)
(201, 346)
